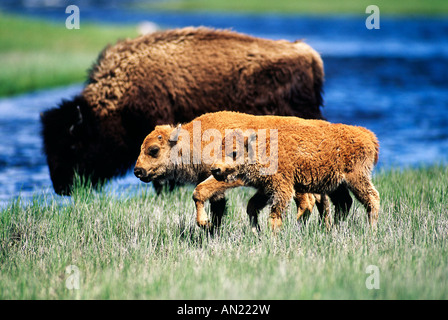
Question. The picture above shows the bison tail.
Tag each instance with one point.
(318, 77)
(374, 145)
(308, 88)
(377, 152)
(317, 65)
(377, 148)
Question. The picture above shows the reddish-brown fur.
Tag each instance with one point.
(156, 160)
(311, 159)
(172, 77)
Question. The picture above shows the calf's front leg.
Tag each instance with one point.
(214, 190)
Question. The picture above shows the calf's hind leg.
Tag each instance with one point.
(365, 192)
(305, 203)
(342, 202)
(281, 199)
(255, 205)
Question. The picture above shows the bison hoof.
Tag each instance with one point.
(205, 224)
(255, 230)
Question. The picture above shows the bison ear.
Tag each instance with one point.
(174, 136)
(75, 126)
(250, 140)
(250, 146)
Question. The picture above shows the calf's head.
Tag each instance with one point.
(156, 154)
(246, 155)
(237, 151)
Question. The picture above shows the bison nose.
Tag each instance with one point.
(215, 171)
(139, 172)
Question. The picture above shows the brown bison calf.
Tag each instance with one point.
(172, 77)
(310, 159)
(186, 154)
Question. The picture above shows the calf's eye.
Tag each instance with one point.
(153, 151)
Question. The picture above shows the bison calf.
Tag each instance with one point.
(186, 153)
(310, 159)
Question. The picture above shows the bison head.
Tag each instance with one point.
(70, 143)
(156, 161)
(239, 151)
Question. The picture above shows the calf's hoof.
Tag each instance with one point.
(205, 224)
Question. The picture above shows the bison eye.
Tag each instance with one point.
(153, 151)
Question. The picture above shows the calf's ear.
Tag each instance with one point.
(174, 136)
(249, 141)
(250, 147)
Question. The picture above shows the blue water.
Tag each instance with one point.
(393, 81)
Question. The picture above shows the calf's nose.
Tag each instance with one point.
(139, 172)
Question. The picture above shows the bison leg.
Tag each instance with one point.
(204, 191)
(305, 203)
(323, 206)
(217, 209)
(255, 205)
(365, 192)
(159, 187)
(342, 202)
(281, 199)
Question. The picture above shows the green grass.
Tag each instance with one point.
(401, 7)
(37, 54)
(138, 246)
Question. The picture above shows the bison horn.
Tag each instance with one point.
(79, 122)
(176, 134)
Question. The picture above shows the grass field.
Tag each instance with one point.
(36, 54)
(138, 246)
(400, 7)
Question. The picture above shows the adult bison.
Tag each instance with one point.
(172, 77)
